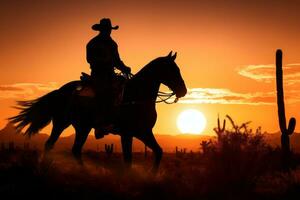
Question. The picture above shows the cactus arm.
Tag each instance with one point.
(231, 121)
(224, 124)
(291, 127)
(109, 148)
(218, 123)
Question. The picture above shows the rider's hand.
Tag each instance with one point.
(127, 70)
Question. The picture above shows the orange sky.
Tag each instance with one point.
(225, 51)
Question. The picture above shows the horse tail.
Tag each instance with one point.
(35, 113)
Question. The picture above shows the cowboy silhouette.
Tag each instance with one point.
(103, 56)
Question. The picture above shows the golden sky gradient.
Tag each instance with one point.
(226, 51)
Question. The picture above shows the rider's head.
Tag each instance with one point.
(104, 27)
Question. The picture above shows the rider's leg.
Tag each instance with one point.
(109, 105)
(98, 112)
(104, 98)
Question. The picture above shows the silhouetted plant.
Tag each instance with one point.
(234, 126)
(176, 151)
(285, 131)
(179, 152)
(109, 149)
(191, 153)
(238, 157)
(206, 146)
(220, 131)
(238, 128)
(258, 130)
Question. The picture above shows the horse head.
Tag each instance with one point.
(169, 75)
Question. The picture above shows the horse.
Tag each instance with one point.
(136, 115)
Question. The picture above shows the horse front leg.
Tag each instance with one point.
(149, 140)
(127, 150)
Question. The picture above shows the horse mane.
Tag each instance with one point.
(148, 67)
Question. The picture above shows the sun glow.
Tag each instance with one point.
(191, 121)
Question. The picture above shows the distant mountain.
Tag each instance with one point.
(167, 142)
(9, 134)
(274, 139)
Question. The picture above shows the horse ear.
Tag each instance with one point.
(174, 56)
(170, 54)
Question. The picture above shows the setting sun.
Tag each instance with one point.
(191, 121)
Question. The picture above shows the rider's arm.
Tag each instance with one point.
(118, 63)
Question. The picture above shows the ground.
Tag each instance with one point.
(24, 174)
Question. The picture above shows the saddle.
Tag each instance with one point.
(86, 88)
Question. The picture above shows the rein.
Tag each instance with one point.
(163, 96)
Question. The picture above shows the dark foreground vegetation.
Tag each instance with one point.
(239, 164)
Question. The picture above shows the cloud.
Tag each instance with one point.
(26, 90)
(226, 96)
(267, 73)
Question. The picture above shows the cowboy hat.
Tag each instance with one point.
(105, 23)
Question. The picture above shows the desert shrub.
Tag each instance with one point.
(238, 158)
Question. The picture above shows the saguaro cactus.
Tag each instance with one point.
(220, 131)
(180, 152)
(109, 149)
(285, 132)
(176, 151)
(205, 146)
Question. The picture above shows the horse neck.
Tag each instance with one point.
(144, 86)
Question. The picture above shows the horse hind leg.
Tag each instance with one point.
(57, 129)
(55, 133)
(80, 138)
